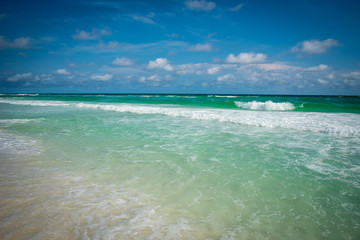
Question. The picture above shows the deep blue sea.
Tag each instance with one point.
(179, 167)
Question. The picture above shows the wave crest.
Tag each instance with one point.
(268, 105)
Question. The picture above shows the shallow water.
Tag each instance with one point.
(178, 167)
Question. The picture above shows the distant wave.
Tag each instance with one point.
(268, 105)
(225, 96)
(36, 103)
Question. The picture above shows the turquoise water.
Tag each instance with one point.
(179, 167)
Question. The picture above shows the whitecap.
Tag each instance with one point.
(268, 105)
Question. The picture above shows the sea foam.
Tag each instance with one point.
(268, 105)
(330, 123)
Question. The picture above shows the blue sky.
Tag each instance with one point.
(180, 46)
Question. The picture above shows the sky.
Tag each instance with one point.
(308, 47)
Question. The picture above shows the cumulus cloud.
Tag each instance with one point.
(105, 77)
(213, 70)
(18, 43)
(122, 62)
(95, 34)
(321, 67)
(236, 8)
(62, 71)
(315, 46)
(245, 58)
(206, 47)
(18, 77)
(200, 5)
(160, 63)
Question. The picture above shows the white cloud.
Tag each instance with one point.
(199, 68)
(160, 63)
(95, 34)
(321, 67)
(84, 36)
(105, 77)
(142, 19)
(122, 62)
(185, 69)
(213, 70)
(62, 71)
(274, 66)
(142, 79)
(236, 8)
(18, 43)
(226, 78)
(352, 78)
(22, 42)
(315, 46)
(109, 46)
(155, 80)
(18, 77)
(206, 47)
(200, 5)
(322, 81)
(352, 75)
(331, 76)
(245, 58)
(43, 77)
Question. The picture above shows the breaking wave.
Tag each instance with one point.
(334, 124)
(268, 105)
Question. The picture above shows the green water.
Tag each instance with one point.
(179, 167)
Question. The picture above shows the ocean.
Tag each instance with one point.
(179, 167)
